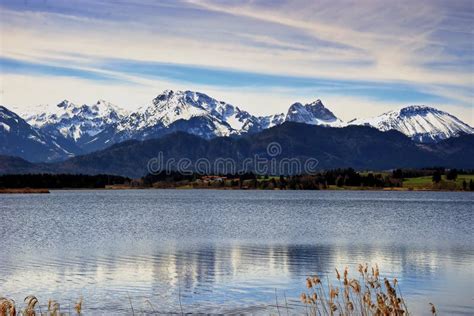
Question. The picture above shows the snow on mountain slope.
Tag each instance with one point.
(192, 112)
(5, 127)
(314, 113)
(271, 120)
(18, 138)
(422, 123)
(172, 106)
(75, 122)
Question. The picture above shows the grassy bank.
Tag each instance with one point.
(426, 183)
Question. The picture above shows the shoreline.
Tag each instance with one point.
(23, 191)
(253, 189)
(118, 188)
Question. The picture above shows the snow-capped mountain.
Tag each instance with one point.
(77, 122)
(199, 114)
(103, 124)
(69, 129)
(172, 106)
(192, 112)
(18, 138)
(314, 113)
(421, 123)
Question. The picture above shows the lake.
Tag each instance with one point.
(231, 251)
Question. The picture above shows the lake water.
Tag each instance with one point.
(229, 251)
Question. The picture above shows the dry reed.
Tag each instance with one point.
(32, 307)
(365, 295)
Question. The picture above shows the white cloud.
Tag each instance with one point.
(363, 40)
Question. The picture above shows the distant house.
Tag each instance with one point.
(213, 178)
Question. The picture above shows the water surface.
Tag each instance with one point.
(230, 251)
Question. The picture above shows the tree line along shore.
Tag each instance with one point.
(438, 179)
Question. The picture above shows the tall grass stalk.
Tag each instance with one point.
(367, 294)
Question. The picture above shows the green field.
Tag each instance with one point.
(382, 173)
(427, 182)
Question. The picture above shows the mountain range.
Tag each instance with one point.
(359, 147)
(68, 130)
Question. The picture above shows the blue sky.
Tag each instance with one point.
(360, 57)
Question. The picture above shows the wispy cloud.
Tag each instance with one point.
(387, 53)
(17, 66)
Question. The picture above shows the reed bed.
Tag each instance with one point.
(365, 295)
(33, 308)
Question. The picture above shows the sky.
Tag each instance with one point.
(361, 58)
